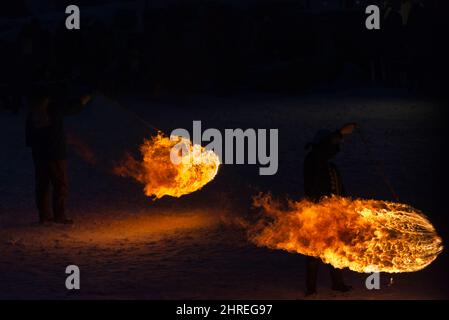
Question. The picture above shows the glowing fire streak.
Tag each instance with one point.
(161, 176)
(362, 235)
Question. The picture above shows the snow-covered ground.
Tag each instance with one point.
(128, 246)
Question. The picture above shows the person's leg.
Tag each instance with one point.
(58, 169)
(336, 276)
(311, 274)
(338, 283)
(42, 187)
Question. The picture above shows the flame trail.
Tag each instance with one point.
(362, 235)
(161, 176)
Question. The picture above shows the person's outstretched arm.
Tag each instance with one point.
(75, 106)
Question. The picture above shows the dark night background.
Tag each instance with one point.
(293, 65)
(185, 47)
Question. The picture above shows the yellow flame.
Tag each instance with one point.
(161, 176)
(362, 235)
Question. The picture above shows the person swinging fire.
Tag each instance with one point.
(46, 137)
(321, 178)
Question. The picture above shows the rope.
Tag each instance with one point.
(132, 113)
(108, 97)
(378, 165)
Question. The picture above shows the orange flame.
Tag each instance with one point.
(362, 235)
(161, 176)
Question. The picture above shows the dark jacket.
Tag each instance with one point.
(49, 142)
(321, 177)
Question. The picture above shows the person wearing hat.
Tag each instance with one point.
(321, 178)
(46, 137)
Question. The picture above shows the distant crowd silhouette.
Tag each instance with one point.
(219, 48)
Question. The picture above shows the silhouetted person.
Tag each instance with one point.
(321, 178)
(46, 137)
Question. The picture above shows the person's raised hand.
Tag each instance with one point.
(348, 128)
(85, 99)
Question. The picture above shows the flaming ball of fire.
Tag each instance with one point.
(161, 176)
(362, 235)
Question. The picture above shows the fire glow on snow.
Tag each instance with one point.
(161, 176)
(362, 235)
